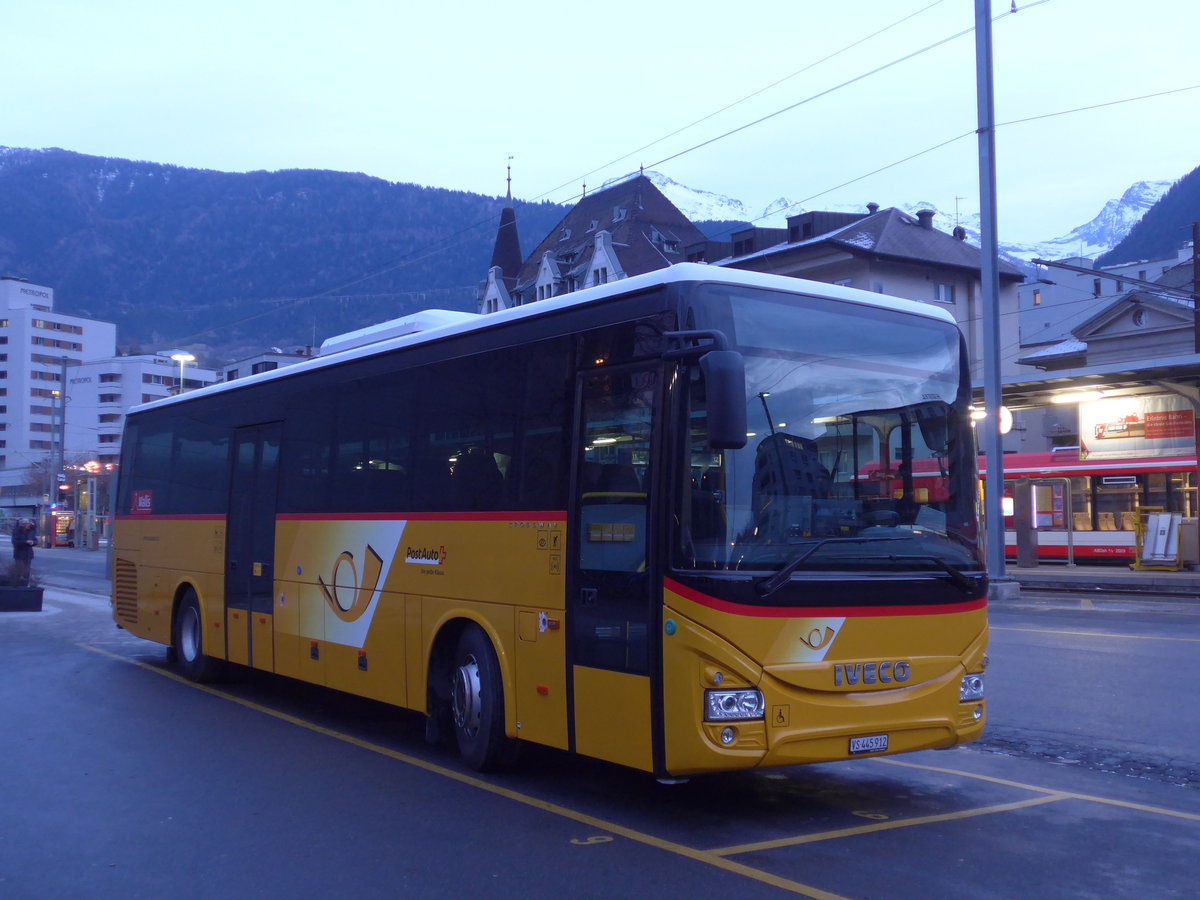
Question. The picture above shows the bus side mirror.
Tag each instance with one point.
(725, 389)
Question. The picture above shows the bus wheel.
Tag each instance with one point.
(477, 700)
(187, 640)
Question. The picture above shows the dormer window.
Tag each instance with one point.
(592, 227)
(618, 214)
(566, 235)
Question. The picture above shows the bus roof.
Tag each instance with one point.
(397, 334)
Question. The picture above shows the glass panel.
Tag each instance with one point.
(858, 440)
(611, 621)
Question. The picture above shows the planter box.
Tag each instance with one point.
(20, 599)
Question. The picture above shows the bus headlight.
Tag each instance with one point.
(720, 706)
(971, 688)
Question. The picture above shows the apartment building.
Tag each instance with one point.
(100, 393)
(38, 350)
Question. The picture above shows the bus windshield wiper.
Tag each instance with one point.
(772, 583)
(960, 581)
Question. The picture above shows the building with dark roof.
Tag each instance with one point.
(886, 251)
(625, 229)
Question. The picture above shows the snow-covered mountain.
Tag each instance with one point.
(1091, 239)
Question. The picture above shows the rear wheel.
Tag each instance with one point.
(187, 640)
(477, 701)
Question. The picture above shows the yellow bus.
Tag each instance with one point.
(669, 522)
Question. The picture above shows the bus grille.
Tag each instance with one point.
(125, 606)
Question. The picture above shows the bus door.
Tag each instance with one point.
(610, 603)
(250, 546)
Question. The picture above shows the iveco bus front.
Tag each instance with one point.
(821, 604)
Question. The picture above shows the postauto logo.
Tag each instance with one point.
(426, 555)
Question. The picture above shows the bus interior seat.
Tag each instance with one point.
(1107, 521)
(1128, 521)
(619, 479)
(477, 481)
(1081, 521)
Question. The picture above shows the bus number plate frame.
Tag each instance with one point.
(871, 743)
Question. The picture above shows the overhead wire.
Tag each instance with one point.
(742, 100)
(437, 246)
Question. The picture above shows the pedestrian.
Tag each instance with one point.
(24, 536)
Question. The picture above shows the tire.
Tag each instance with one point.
(477, 701)
(187, 642)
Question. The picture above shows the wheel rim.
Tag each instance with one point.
(467, 711)
(189, 634)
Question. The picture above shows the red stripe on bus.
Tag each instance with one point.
(537, 515)
(805, 612)
(541, 516)
(138, 517)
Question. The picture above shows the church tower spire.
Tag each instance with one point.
(506, 253)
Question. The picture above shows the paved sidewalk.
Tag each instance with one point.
(1061, 577)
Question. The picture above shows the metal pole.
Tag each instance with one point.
(60, 453)
(993, 448)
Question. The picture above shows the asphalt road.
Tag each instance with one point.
(119, 780)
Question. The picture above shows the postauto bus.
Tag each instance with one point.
(623, 522)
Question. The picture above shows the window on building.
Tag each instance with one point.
(39, 410)
(231, 374)
(50, 325)
(110, 398)
(600, 276)
(39, 445)
(109, 417)
(109, 377)
(1037, 298)
(943, 293)
(268, 365)
(1095, 287)
(1141, 274)
(109, 438)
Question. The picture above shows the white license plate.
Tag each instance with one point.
(872, 743)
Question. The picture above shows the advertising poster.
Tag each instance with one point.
(1161, 425)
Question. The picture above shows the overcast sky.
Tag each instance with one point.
(441, 94)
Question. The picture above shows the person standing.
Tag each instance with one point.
(24, 536)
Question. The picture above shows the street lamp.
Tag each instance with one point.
(183, 358)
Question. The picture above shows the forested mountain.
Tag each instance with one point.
(220, 260)
(1164, 227)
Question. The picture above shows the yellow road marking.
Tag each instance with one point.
(650, 840)
(1058, 795)
(889, 825)
(1130, 637)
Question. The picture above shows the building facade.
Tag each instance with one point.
(39, 349)
(625, 229)
(886, 251)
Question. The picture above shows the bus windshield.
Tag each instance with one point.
(846, 403)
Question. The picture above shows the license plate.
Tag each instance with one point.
(871, 743)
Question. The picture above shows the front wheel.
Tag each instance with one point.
(187, 640)
(477, 701)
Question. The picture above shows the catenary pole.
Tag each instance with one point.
(993, 449)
